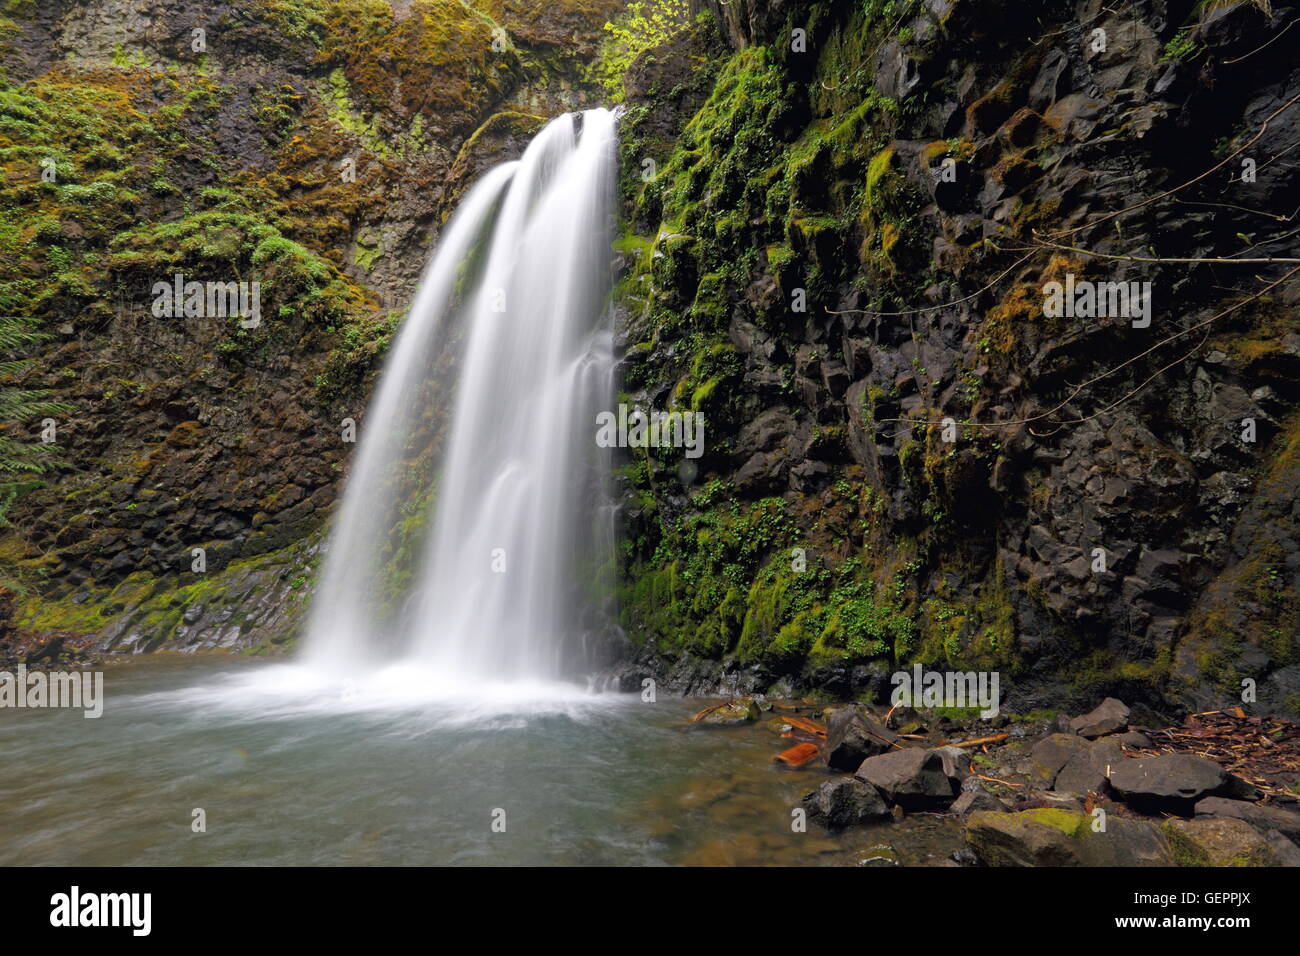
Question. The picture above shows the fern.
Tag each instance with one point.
(21, 458)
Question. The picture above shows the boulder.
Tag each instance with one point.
(975, 800)
(1286, 822)
(1138, 741)
(844, 802)
(852, 737)
(1171, 782)
(1050, 755)
(912, 778)
(1218, 841)
(1110, 717)
(956, 764)
(1284, 851)
(1064, 838)
(1087, 770)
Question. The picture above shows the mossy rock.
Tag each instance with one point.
(1218, 841)
(1055, 837)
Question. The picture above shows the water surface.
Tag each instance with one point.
(295, 770)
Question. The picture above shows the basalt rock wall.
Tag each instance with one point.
(845, 258)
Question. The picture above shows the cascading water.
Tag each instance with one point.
(491, 569)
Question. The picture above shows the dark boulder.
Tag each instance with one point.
(844, 802)
(912, 778)
(1111, 716)
(1171, 782)
(1051, 754)
(1088, 768)
(852, 737)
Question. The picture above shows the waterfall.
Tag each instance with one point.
(475, 534)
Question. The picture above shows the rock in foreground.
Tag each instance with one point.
(852, 737)
(845, 802)
(1064, 838)
(1219, 841)
(1172, 782)
(914, 779)
(1286, 822)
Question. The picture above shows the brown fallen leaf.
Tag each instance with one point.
(797, 756)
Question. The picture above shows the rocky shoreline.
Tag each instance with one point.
(1099, 789)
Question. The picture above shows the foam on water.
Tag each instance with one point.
(293, 690)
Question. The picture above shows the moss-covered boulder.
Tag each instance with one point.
(1050, 837)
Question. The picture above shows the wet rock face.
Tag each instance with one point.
(347, 131)
(1140, 533)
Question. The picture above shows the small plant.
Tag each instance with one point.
(1182, 47)
(643, 26)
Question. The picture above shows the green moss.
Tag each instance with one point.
(154, 605)
(887, 218)
(1188, 853)
(386, 71)
(1069, 822)
(364, 256)
(974, 630)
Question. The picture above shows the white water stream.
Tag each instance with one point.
(489, 568)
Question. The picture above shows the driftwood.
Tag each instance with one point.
(1005, 783)
(977, 742)
(1264, 751)
(708, 710)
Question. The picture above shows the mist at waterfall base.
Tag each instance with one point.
(471, 556)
